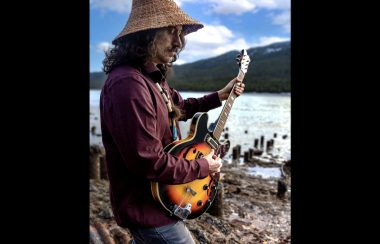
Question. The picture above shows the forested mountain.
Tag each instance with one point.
(269, 71)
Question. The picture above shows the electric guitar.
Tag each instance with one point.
(192, 199)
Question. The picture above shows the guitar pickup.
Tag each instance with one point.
(211, 142)
(188, 189)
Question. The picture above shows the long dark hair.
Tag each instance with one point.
(135, 49)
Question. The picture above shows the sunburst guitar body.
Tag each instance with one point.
(192, 199)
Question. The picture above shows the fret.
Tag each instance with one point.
(240, 76)
(221, 121)
(223, 117)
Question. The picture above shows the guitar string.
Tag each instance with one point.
(174, 130)
(188, 196)
(187, 193)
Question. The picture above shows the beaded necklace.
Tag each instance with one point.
(168, 103)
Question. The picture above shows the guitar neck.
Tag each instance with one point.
(221, 122)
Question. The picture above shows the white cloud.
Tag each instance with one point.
(266, 40)
(178, 2)
(103, 47)
(232, 7)
(213, 40)
(265, 3)
(180, 61)
(242, 6)
(205, 43)
(211, 34)
(283, 19)
(120, 6)
(272, 4)
(239, 7)
(218, 6)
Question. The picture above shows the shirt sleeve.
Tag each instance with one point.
(132, 121)
(190, 106)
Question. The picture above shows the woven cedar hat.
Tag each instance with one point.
(151, 14)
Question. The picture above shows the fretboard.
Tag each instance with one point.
(221, 122)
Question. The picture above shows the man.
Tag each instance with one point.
(139, 114)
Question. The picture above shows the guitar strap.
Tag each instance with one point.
(172, 122)
(156, 76)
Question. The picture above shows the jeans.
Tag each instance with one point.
(176, 233)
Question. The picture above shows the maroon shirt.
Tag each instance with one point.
(135, 130)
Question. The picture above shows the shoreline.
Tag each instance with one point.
(253, 212)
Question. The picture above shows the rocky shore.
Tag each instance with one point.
(253, 210)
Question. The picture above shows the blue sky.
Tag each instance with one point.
(229, 25)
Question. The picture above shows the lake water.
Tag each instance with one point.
(253, 115)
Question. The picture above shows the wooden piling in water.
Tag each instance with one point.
(268, 148)
(216, 208)
(275, 135)
(239, 150)
(103, 168)
(94, 162)
(250, 153)
(246, 157)
(281, 189)
(257, 152)
(235, 155)
(93, 130)
(256, 143)
(270, 145)
(94, 170)
(262, 142)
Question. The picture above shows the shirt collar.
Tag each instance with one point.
(153, 72)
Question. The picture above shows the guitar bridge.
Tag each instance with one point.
(214, 144)
(182, 212)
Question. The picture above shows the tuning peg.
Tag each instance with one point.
(238, 58)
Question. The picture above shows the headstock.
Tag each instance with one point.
(243, 60)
